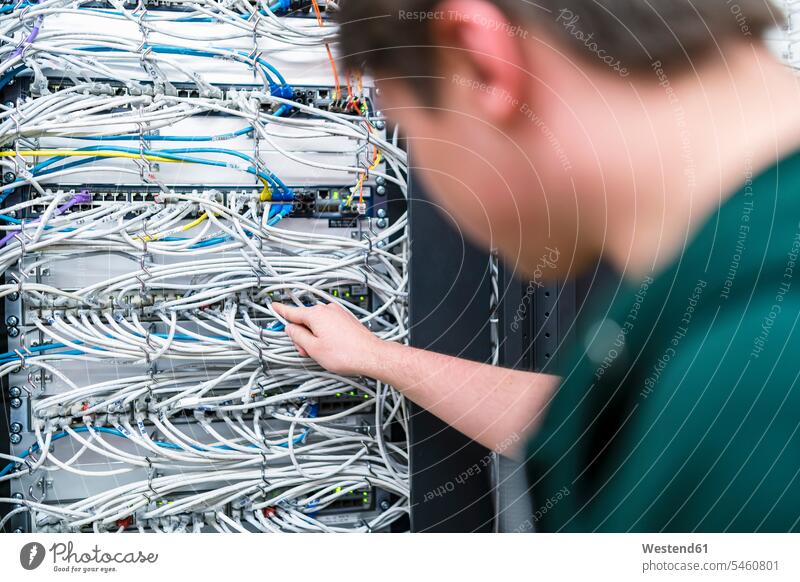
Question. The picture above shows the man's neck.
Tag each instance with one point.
(707, 132)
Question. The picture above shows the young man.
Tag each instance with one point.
(660, 137)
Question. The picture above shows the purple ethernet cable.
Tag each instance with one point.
(82, 197)
(31, 37)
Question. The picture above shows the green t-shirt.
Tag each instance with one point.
(680, 410)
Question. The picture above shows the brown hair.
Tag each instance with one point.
(394, 36)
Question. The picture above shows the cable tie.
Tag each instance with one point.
(21, 244)
(18, 280)
(263, 362)
(23, 14)
(25, 48)
(148, 336)
(264, 467)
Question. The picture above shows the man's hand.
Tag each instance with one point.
(332, 336)
(495, 406)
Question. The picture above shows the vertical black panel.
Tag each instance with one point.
(449, 298)
(5, 412)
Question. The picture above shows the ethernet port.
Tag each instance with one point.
(323, 194)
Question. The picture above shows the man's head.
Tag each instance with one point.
(525, 118)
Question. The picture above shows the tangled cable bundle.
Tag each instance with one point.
(157, 377)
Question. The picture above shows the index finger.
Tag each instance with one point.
(292, 314)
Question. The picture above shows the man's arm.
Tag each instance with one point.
(493, 406)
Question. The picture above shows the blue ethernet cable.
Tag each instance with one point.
(278, 7)
(279, 89)
(187, 138)
(279, 187)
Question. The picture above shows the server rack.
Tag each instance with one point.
(533, 323)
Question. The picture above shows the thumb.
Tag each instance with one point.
(292, 314)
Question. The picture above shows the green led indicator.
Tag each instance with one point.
(361, 298)
(366, 396)
(335, 194)
(338, 394)
(335, 292)
(347, 293)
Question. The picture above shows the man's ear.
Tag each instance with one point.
(483, 52)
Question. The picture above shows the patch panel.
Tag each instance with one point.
(321, 98)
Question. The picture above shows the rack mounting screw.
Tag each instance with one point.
(15, 392)
(381, 213)
(381, 222)
(9, 177)
(15, 403)
(13, 296)
(12, 321)
(13, 331)
(17, 495)
(16, 427)
(15, 439)
(381, 190)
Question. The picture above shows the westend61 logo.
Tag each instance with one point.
(67, 559)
